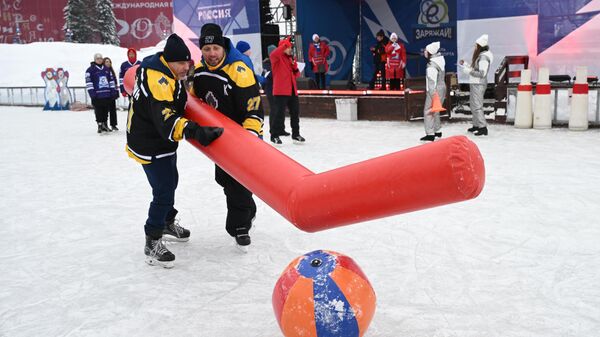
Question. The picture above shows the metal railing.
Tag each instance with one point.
(35, 96)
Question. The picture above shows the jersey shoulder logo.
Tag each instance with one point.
(211, 99)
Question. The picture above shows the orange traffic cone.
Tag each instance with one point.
(436, 104)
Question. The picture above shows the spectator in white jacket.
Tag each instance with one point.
(434, 83)
(478, 72)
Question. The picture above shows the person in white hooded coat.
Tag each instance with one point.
(478, 74)
(435, 83)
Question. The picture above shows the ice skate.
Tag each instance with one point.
(174, 232)
(157, 254)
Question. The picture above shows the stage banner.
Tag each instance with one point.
(139, 23)
(417, 23)
(37, 21)
(557, 34)
(239, 19)
(337, 23)
(142, 23)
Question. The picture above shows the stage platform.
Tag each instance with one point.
(377, 105)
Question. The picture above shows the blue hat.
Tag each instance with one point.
(270, 49)
(242, 46)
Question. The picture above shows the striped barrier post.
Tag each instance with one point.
(523, 113)
(578, 119)
(542, 113)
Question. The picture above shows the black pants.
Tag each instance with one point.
(277, 118)
(112, 108)
(320, 79)
(241, 208)
(379, 68)
(101, 108)
(163, 178)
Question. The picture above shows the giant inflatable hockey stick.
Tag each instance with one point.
(435, 174)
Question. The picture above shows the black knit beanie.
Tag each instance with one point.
(176, 50)
(211, 33)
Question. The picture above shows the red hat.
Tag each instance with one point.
(134, 58)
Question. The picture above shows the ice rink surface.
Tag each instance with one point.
(522, 259)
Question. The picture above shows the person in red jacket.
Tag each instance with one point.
(318, 52)
(396, 62)
(285, 93)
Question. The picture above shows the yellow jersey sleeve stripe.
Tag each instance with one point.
(178, 130)
(253, 125)
(240, 74)
(161, 86)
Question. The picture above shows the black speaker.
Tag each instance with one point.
(269, 36)
(306, 83)
(341, 85)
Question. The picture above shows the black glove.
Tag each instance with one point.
(203, 134)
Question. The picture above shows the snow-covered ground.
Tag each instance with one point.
(522, 259)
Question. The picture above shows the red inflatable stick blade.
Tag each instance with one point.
(446, 171)
(129, 79)
(439, 173)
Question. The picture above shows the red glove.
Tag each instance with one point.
(124, 94)
(57, 89)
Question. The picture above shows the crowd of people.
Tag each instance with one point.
(225, 79)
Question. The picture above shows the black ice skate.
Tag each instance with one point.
(428, 138)
(174, 232)
(157, 254)
(285, 134)
(438, 135)
(481, 132)
(242, 239)
(105, 127)
(298, 139)
(472, 129)
(114, 128)
(100, 128)
(275, 140)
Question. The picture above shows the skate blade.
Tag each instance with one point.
(154, 262)
(175, 239)
(243, 249)
(299, 143)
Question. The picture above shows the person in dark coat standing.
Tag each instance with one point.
(155, 126)
(131, 61)
(285, 92)
(224, 81)
(379, 59)
(100, 86)
(318, 52)
(112, 108)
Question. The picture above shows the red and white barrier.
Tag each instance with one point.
(523, 113)
(542, 110)
(578, 119)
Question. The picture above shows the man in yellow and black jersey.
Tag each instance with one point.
(155, 125)
(225, 82)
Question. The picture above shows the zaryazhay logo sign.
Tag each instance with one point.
(433, 21)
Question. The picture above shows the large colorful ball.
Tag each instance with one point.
(323, 293)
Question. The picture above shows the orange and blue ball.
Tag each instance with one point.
(323, 294)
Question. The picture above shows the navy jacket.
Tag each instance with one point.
(99, 82)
